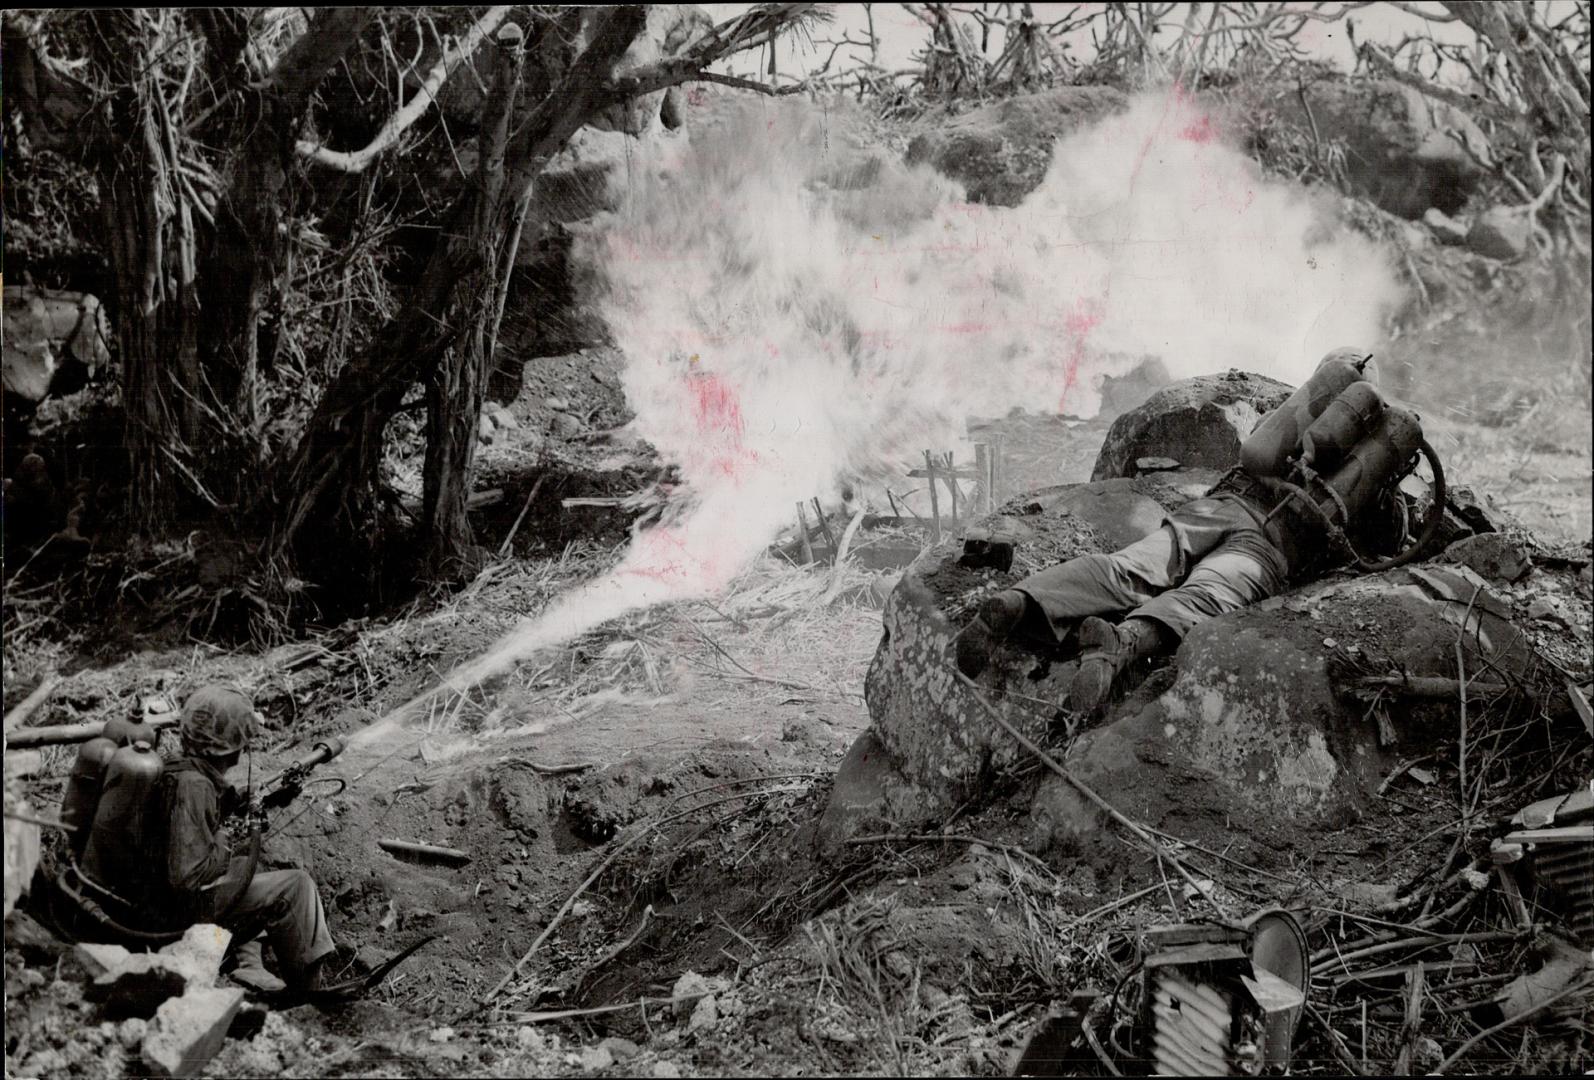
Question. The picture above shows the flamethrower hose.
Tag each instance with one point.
(1430, 527)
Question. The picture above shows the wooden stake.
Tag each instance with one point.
(982, 486)
(824, 527)
(998, 469)
(802, 534)
(935, 499)
(952, 484)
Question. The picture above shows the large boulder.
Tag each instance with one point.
(932, 744)
(1197, 422)
(670, 28)
(1262, 731)
(54, 341)
(1000, 152)
(1401, 149)
(1502, 232)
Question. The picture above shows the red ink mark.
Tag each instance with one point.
(715, 405)
(717, 411)
(662, 553)
(1199, 131)
(696, 96)
(966, 328)
(1077, 325)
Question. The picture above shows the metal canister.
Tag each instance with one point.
(116, 851)
(1374, 463)
(1347, 420)
(1277, 437)
(127, 730)
(83, 789)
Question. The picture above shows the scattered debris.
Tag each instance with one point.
(188, 1030)
(424, 852)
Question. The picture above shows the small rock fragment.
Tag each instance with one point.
(1446, 229)
(199, 953)
(98, 959)
(687, 990)
(566, 426)
(666, 1069)
(1493, 555)
(1545, 609)
(1502, 232)
(596, 1058)
(187, 1031)
(620, 1049)
(705, 1014)
(1155, 464)
(131, 1032)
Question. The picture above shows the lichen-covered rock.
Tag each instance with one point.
(1260, 729)
(1198, 422)
(1400, 148)
(1000, 152)
(187, 1031)
(939, 742)
(54, 340)
(1502, 232)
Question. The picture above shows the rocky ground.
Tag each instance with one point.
(689, 754)
(656, 882)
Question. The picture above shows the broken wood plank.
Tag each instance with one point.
(424, 852)
(998, 444)
(824, 525)
(982, 479)
(951, 484)
(26, 707)
(962, 473)
(935, 499)
(62, 734)
(627, 501)
(802, 534)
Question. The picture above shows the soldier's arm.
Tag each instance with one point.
(197, 852)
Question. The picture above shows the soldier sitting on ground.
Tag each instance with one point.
(186, 870)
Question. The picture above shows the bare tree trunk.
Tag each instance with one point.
(248, 251)
(456, 388)
(155, 306)
(332, 477)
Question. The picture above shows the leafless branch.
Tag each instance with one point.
(353, 161)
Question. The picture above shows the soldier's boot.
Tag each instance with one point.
(306, 977)
(249, 970)
(999, 616)
(1106, 650)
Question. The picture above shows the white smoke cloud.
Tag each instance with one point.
(785, 331)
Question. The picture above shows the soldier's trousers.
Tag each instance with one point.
(1210, 556)
(285, 908)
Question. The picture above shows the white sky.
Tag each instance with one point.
(901, 35)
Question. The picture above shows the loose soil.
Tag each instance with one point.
(690, 747)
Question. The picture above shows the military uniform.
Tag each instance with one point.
(282, 905)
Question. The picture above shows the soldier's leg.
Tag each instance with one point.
(1241, 571)
(1226, 580)
(1050, 602)
(286, 905)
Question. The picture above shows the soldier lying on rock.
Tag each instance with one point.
(1252, 533)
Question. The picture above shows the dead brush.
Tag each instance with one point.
(862, 966)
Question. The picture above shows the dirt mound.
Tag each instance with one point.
(1000, 152)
